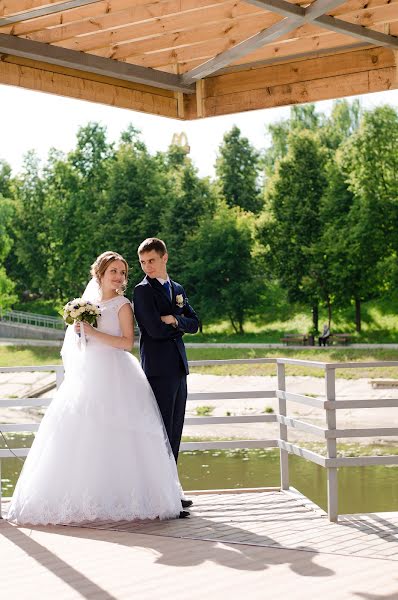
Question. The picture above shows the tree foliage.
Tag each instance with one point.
(319, 226)
(237, 168)
(221, 267)
(294, 228)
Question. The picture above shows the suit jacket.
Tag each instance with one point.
(161, 346)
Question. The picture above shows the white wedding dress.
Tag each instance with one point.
(101, 451)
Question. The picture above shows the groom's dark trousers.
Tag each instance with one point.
(162, 349)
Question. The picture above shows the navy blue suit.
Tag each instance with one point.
(162, 349)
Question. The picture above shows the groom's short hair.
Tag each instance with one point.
(152, 244)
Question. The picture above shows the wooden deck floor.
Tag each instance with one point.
(266, 544)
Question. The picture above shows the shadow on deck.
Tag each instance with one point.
(234, 544)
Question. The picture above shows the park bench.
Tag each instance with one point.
(340, 338)
(295, 338)
(384, 383)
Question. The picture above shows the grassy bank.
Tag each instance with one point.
(315, 354)
(379, 321)
(40, 355)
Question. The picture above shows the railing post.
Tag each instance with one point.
(0, 491)
(59, 375)
(283, 454)
(331, 445)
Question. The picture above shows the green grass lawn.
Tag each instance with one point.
(379, 321)
(40, 355)
(278, 317)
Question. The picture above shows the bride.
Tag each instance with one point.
(101, 451)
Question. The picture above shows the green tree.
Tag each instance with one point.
(75, 188)
(221, 268)
(331, 131)
(7, 286)
(31, 229)
(369, 164)
(343, 121)
(136, 196)
(5, 179)
(301, 117)
(293, 227)
(72, 226)
(190, 200)
(237, 168)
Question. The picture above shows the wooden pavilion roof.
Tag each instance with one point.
(197, 58)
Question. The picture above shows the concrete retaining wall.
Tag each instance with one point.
(29, 332)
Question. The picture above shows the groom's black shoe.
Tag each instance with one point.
(186, 503)
(184, 514)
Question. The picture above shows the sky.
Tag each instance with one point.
(35, 120)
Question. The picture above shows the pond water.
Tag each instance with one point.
(361, 489)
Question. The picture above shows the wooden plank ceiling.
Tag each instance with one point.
(197, 58)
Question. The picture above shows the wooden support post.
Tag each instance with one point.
(200, 89)
(283, 454)
(396, 64)
(332, 490)
(180, 105)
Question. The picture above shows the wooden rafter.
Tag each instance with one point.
(185, 41)
(10, 44)
(49, 9)
(187, 57)
(298, 16)
(338, 25)
(206, 13)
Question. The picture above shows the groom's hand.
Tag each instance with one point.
(169, 320)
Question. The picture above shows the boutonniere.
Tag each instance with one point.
(180, 300)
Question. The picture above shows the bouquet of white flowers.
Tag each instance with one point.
(81, 310)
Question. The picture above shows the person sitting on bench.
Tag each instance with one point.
(323, 338)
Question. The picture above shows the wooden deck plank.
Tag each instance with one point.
(272, 519)
(233, 544)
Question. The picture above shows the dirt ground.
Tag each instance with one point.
(311, 386)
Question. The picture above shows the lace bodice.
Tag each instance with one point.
(108, 322)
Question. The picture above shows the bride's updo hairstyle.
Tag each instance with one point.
(101, 264)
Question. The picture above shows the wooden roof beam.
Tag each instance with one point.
(44, 11)
(359, 32)
(54, 55)
(298, 16)
(295, 16)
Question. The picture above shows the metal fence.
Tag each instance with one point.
(330, 433)
(25, 318)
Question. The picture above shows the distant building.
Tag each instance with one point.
(180, 139)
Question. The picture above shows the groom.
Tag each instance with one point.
(163, 315)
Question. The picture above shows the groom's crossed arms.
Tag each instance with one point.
(151, 303)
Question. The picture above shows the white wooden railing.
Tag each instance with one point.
(330, 433)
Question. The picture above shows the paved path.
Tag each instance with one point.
(23, 342)
(243, 545)
(24, 384)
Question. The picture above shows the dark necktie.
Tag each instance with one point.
(166, 286)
